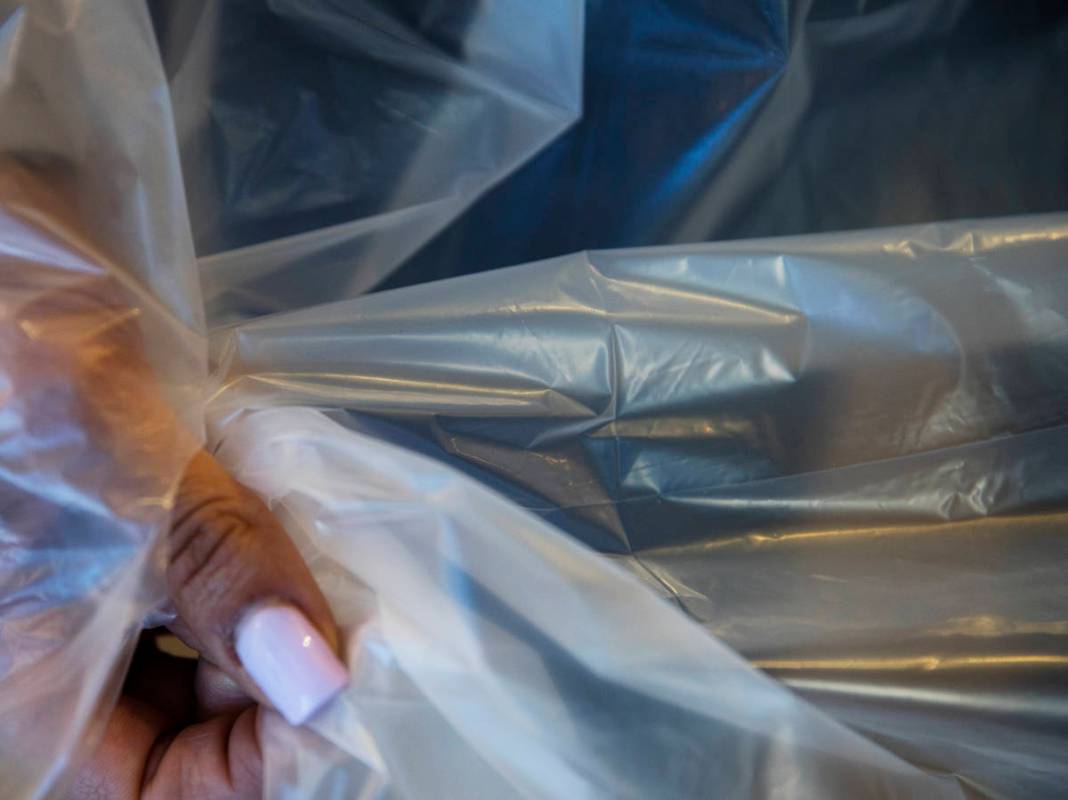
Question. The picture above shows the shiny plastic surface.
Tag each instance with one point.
(844, 454)
(711, 121)
(324, 142)
(492, 656)
(99, 313)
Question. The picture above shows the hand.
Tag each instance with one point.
(187, 728)
(84, 411)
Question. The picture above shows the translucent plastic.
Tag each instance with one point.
(718, 121)
(844, 454)
(97, 267)
(96, 271)
(492, 656)
(324, 142)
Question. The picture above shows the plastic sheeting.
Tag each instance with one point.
(103, 366)
(706, 121)
(94, 268)
(844, 454)
(324, 142)
(494, 657)
(840, 454)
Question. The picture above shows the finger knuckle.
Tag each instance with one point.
(206, 547)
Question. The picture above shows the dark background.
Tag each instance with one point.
(707, 120)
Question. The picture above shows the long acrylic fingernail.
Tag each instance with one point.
(289, 660)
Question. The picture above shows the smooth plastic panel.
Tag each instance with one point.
(844, 454)
(99, 316)
(324, 142)
(492, 656)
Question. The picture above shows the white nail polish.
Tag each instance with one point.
(289, 660)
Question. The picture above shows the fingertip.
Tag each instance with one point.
(231, 562)
(291, 662)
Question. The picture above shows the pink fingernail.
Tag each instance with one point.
(289, 660)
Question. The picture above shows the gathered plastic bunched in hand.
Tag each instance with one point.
(740, 520)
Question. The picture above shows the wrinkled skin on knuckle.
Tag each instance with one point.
(208, 554)
(204, 541)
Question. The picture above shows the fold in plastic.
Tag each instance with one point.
(323, 142)
(99, 313)
(844, 454)
(492, 656)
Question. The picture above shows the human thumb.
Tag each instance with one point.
(245, 598)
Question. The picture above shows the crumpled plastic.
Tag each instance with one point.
(493, 656)
(91, 258)
(844, 454)
(323, 142)
(839, 456)
(720, 121)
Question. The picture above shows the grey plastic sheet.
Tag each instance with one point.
(843, 454)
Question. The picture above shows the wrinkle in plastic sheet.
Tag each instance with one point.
(91, 257)
(842, 454)
(514, 661)
(323, 143)
(723, 121)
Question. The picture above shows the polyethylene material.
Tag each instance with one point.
(717, 121)
(324, 142)
(96, 271)
(844, 454)
(492, 656)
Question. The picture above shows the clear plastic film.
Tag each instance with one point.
(323, 142)
(492, 656)
(99, 314)
(104, 367)
(840, 455)
(843, 454)
(723, 121)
